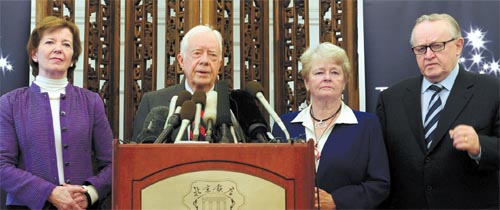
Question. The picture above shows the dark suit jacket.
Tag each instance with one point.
(153, 99)
(162, 97)
(441, 176)
(353, 167)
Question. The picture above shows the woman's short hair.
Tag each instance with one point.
(325, 51)
(49, 24)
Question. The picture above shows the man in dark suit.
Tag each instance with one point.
(200, 58)
(442, 128)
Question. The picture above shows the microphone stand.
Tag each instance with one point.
(224, 130)
(209, 132)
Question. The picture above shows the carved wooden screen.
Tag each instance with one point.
(140, 56)
(223, 14)
(337, 25)
(291, 38)
(254, 36)
(101, 48)
(102, 56)
(174, 13)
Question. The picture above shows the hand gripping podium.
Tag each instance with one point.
(213, 176)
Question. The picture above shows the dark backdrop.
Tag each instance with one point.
(387, 30)
(15, 18)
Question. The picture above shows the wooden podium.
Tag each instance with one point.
(213, 176)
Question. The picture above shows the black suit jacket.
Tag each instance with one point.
(162, 97)
(153, 99)
(441, 176)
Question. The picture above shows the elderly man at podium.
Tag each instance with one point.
(200, 58)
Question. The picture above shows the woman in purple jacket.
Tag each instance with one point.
(51, 131)
(352, 171)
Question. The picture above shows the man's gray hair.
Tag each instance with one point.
(199, 29)
(454, 28)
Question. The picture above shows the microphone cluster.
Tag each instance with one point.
(219, 116)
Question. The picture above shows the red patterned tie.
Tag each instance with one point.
(202, 130)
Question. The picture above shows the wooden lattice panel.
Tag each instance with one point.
(173, 36)
(102, 55)
(140, 55)
(331, 22)
(291, 39)
(254, 49)
(337, 25)
(224, 24)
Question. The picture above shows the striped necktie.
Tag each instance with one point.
(432, 117)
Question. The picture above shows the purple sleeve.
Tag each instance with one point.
(27, 188)
(102, 141)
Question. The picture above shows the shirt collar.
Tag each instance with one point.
(346, 116)
(447, 83)
(188, 88)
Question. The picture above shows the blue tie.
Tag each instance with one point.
(432, 117)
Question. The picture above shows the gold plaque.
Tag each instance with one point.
(214, 190)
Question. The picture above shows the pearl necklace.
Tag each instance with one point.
(321, 123)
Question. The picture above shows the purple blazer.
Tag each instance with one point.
(28, 168)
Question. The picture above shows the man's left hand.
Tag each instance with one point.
(465, 138)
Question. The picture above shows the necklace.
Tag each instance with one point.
(321, 123)
(317, 153)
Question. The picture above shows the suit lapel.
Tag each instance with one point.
(413, 109)
(460, 95)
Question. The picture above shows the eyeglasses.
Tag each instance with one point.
(435, 47)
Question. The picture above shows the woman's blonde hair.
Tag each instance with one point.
(325, 51)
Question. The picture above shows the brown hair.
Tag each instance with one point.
(48, 24)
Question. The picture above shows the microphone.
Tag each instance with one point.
(187, 115)
(236, 129)
(249, 116)
(171, 107)
(223, 111)
(173, 122)
(199, 99)
(173, 119)
(183, 96)
(153, 124)
(210, 114)
(255, 89)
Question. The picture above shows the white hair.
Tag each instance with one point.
(200, 29)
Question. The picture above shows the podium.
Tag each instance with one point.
(213, 176)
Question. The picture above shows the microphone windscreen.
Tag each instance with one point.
(153, 124)
(253, 87)
(248, 113)
(199, 97)
(183, 96)
(210, 112)
(188, 110)
(223, 111)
